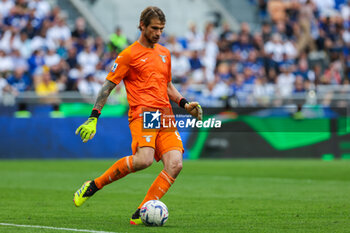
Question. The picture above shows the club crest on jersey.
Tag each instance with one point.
(163, 57)
(114, 67)
(148, 138)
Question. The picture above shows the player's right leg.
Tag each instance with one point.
(143, 144)
(142, 159)
(117, 171)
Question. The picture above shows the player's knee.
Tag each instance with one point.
(178, 167)
(175, 168)
(146, 162)
(143, 158)
(142, 163)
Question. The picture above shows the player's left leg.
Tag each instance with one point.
(172, 161)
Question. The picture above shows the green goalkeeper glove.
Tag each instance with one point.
(195, 110)
(88, 129)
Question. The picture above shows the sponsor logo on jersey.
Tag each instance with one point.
(163, 57)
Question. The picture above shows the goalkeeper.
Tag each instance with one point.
(145, 68)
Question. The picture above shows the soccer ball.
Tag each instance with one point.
(154, 213)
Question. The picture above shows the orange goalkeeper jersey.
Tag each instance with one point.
(146, 73)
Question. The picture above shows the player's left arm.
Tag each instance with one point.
(192, 108)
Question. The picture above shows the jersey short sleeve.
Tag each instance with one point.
(120, 67)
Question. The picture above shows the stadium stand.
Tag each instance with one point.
(299, 48)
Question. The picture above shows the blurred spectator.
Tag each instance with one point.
(118, 40)
(62, 83)
(180, 66)
(42, 8)
(197, 68)
(227, 33)
(62, 50)
(19, 61)
(224, 74)
(242, 91)
(99, 47)
(299, 86)
(6, 41)
(345, 10)
(258, 42)
(216, 90)
(6, 63)
(80, 33)
(209, 33)
(325, 6)
(5, 7)
(317, 70)
(23, 44)
(36, 60)
(249, 77)
(173, 45)
(60, 31)
(275, 48)
(262, 9)
(266, 31)
(277, 10)
(101, 72)
(331, 75)
(39, 41)
(72, 57)
(263, 91)
(195, 39)
(89, 86)
(304, 72)
(285, 82)
(88, 59)
(46, 86)
(59, 69)
(51, 58)
(252, 62)
(20, 81)
(48, 89)
(303, 34)
(243, 46)
(211, 51)
(74, 75)
(7, 92)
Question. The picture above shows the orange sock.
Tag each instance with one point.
(118, 170)
(159, 187)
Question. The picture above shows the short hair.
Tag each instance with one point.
(149, 13)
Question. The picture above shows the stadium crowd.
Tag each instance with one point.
(301, 44)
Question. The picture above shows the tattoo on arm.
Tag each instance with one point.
(103, 94)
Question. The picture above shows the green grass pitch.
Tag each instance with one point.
(208, 196)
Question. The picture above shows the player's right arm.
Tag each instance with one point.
(119, 71)
(103, 94)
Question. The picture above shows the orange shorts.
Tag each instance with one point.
(162, 140)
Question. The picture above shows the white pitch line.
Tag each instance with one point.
(54, 228)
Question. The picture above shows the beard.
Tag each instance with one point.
(151, 40)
